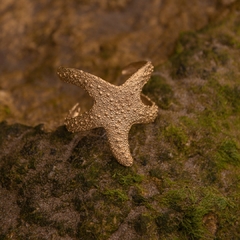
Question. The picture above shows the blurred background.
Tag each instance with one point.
(96, 36)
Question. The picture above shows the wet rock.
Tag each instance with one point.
(184, 183)
(98, 37)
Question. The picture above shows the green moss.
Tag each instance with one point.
(12, 172)
(232, 95)
(156, 172)
(85, 179)
(87, 232)
(220, 56)
(78, 204)
(229, 40)
(191, 206)
(30, 149)
(159, 91)
(13, 131)
(31, 164)
(138, 130)
(185, 48)
(116, 195)
(208, 120)
(95, 170)
(176, 136)
(165, 155)
(129, 179)
(228, 153)
(142, 224)
(76, 160)
(102, 215)
(84, 182)
(168, 182)
(188, 122)
(138, 199)
(168, 222)
(61, 228)
(31, 215)
(225, 99)
(195, 53)
(143, 159)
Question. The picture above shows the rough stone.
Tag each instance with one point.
(184, 183)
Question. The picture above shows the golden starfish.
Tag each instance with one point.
(116, 108)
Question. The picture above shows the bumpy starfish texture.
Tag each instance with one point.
(116, 108)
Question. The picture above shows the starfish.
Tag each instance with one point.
(116, 108)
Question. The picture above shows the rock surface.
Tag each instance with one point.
(100, 37)
(184, 183)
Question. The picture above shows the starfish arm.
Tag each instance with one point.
(90, 83)
(118, 141)
(140, 77)
(147, 115)
(76, 122)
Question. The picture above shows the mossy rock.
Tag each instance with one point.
(184, 183)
